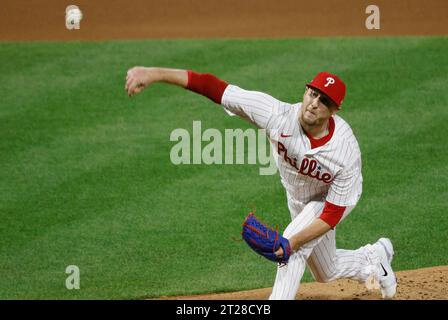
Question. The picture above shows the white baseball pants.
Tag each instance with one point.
(326, 263)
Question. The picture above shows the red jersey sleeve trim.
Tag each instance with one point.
(207, 85)
(332, 214)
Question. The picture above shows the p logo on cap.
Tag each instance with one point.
(331, 85)
(330, 80)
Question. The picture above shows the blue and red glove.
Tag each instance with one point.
(264, 240)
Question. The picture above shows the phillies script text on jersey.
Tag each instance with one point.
(307, 166)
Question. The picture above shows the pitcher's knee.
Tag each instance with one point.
(329, 277)
(323, 277)
(324, 280)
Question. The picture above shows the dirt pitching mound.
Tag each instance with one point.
(420, 284)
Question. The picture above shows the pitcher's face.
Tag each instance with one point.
(316, 107)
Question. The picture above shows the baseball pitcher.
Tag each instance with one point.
(319, 162)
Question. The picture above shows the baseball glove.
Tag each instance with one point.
(264, 240)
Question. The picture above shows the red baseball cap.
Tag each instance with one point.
(331, 85)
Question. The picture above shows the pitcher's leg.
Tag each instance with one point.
(288, 277)
(328, 263)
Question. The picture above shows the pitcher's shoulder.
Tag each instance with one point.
(343, 129)
(345, 139)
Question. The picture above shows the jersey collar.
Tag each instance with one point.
(316, 143)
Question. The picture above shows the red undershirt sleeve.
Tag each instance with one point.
(207, 85)
(332, 214)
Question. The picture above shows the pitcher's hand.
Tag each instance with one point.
(137, 79)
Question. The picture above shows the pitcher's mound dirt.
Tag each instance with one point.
(420, 284)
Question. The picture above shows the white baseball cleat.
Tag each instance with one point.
(386, 276)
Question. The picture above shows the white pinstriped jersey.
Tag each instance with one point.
(331, 172)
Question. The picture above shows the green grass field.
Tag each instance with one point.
(86, 177)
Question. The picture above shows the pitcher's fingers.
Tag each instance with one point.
(130, 87)
(129, 82)
(138, 89)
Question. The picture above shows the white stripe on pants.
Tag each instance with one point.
(324, 260)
